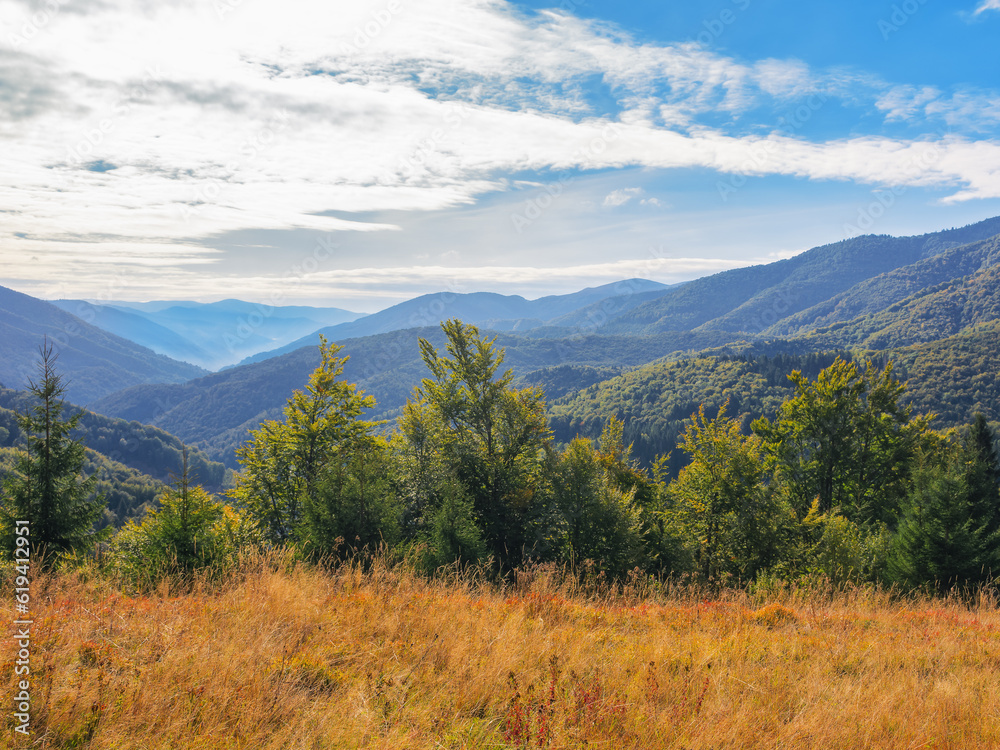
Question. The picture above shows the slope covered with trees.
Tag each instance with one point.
(217, 412)
(881, 292)
(754, 299)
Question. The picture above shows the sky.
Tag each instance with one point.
(356, 154)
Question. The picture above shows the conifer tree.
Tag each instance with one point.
(47, 487)
(936, 542)
(981, 480)
(181, 531)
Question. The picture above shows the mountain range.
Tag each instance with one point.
(640, 349)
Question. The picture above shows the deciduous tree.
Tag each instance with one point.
(286, 464)
(491, 435)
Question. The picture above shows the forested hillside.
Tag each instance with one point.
(883, 291)
(217, 411)
(952, 378)
(655, 402)
(754, 299)
(133, 462)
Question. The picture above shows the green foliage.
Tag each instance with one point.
(453, 536)
(590, 516)
(948, 531)
(354, 507)
(721, 501)
(845, 440)
(981, 487)
(490, 434)
(936, 541)
(955, 377)
(46, 487)
(654, 401)
(317, 475)
(190, 531)
(836, 548)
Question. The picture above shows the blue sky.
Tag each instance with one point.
(360, 153)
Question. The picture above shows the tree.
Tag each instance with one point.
(948, 531)
(721, 500)
(354, 508)
(936, 541)
(492, 436)
(846, 440)
(594, 518)
(47, 487)
(981, 484)
(189, 531)
(285, 462)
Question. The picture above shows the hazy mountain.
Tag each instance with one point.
(136, 327)
(211, 335)
(486, 309)
(93, 361)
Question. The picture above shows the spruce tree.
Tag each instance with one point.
(981, 480)
(936, 543)
(47, 488)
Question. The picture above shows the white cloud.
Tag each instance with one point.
(319, 115)
(620, 197)
(988, 5)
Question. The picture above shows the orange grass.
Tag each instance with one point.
(289, 657)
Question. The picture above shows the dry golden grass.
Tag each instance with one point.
(287, 657)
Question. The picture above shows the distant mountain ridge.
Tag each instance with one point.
(94, 362)
(487, 309)
(210, 335)
(755, 299)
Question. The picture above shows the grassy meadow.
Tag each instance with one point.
(286, 657)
